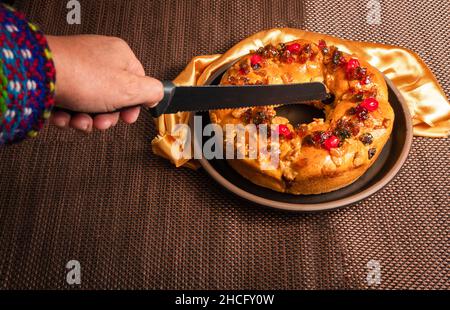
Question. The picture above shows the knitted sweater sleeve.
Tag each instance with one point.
(27, 77)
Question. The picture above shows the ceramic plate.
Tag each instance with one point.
(376, 177)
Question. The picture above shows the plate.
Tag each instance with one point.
(381, 172)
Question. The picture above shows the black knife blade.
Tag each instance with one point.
(215, 97)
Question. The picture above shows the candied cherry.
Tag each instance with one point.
(371, 104)
(255, 60)
(331, 142)
(283, 130)
(294, 48)
(322, 44)
(352, 65)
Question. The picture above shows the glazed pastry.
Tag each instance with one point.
(326, 154)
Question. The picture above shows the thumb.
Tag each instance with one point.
(141, 90)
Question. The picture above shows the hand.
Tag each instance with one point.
(98, 74)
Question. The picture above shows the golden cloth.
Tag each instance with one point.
(429, 107)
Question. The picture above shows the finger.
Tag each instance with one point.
(82, 122)
(140, 90)
(106, 121)
(130, 115)
(60, 119)
(136, 67)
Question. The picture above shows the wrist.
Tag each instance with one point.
(58, 53)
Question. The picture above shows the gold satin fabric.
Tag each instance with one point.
(427, 102)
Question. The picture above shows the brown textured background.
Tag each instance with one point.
(134, 221)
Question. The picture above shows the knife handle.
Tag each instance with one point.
(161, 107)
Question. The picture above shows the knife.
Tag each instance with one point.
(215, 97)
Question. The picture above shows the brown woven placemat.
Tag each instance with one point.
(134, 221)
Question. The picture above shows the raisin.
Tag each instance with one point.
(308, 141)
(366, 138)
(357, 73)
(319, 137)
(361, 72)
(259, 118)
(337, 57)
(355, 129)
(270, 51)
(362, 113)
(262, 115)
(345, 129)
(281, 47)
(256, 66)
(351, 111)
(342, 133)
(247, 116)
(307, 48)
(359, 96)
(286, 57)
(372, 152)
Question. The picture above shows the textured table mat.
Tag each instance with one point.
(134, 221)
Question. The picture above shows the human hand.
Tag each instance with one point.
(98, 74)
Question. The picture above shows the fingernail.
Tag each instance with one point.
(86, 128)
(154, 104)
(61, 124)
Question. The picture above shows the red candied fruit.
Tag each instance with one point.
(322, 44)
(331, 142)
(294, 48)
(255, 59)
(365, 80)
(352, 64)
(283, 130)
(241, 71)
(361, 112)
(371, 104)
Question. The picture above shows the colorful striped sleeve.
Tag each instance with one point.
(27, 77)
